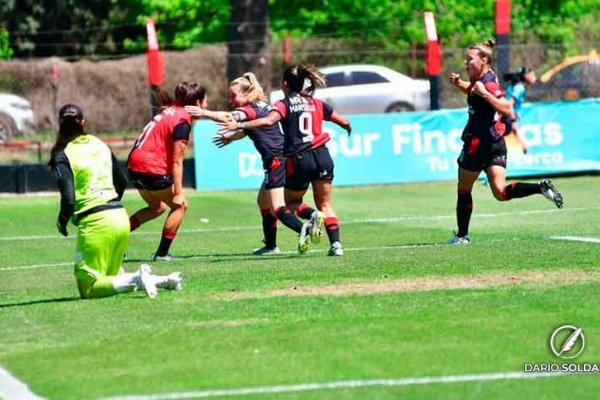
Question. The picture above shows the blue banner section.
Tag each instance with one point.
(418, 146)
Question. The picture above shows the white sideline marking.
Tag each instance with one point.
(12, 388)
(344, 222)
(340, 385)
(577, 239)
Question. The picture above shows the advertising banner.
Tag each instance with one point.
(417, 146)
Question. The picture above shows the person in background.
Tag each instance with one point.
(484, 148)
(515, 94)
(308, 161)
(91, 185)
(155, 163)
(247, 96)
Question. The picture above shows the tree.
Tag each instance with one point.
(248, 43)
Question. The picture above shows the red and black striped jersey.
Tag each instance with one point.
(484, 121)
(268, 140)
(302, 122)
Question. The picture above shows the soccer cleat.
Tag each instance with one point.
(173, 281)
(266, 251)
(303, 239)
(336, 249)
(166, 258)
(459, 240)
(549, 191)
(317, 219)
(147, 281)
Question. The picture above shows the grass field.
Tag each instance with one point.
(398, 316)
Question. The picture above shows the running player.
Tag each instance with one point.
(155, 163)
(484, 148)
(91, 185)
(308, 160)
(247, 96)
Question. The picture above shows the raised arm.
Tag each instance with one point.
(497, 101)
(455, 80)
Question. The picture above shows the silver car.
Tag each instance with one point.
(366, 89)
(16, 116)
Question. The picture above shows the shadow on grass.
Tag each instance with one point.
(42, 301)
(216, 257)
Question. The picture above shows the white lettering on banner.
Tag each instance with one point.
(356, 145)
(538, 135)
(424, 142)
(529, 160)
(437, 164)
(249, 164)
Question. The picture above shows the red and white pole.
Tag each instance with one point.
(433, 60)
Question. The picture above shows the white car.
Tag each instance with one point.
(366, 89)
(16, 116)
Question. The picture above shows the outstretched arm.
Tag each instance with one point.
(231, 126)
(341, 121)
(217, 116)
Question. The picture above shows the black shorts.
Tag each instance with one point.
(274, 172)
(312, 165)
(143, 181)
(478, 154)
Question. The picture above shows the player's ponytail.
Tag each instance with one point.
(303, 79)
(485, 50)
(250, 86)
(70, 125)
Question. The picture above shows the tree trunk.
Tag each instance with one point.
(248, 44)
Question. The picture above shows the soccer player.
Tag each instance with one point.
(248, 97)
(91, 185)
(515, 94)
(308, 160)
(155, 163)
(484, 148)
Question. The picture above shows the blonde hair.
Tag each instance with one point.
(484, 50)
(250, 87)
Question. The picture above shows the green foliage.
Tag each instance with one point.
(6, 52)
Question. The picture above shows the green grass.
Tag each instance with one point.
(228, 329)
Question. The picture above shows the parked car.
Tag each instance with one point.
(573, 78)
(16, 116)
(364, 89)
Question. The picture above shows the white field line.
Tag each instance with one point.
(12, 388)
(577, 239)
(303, 387)
(344, 222)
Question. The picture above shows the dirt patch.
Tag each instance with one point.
(431, 283)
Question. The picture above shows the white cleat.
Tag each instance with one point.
(459, 240)
(549, 191)
(266, 251)
(317, 219)
(303, 239)
(147, 281)
(336, 250)
(173, 281)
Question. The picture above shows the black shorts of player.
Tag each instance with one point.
(312, 165)
(143, 181)
(477, 154)
(274, 172)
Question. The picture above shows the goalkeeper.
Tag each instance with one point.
(91, 184)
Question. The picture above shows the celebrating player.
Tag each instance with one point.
(156, 163)
(91, 184)
(484, 147)
(247, 95)
(308, 160)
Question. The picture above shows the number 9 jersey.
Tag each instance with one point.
(302, 122)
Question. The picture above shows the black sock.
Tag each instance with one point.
(304, 211)
(269, 225)
(520, 189)
(165, 242)
(332, 226)
(288, 219)
(464, 208)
